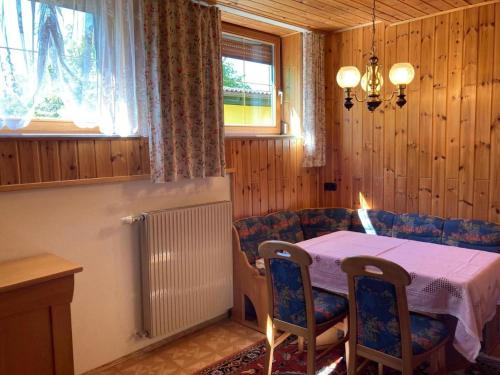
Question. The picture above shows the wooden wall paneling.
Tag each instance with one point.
(145, 159)
(366, 137)
(103, 158)
(494, 211)
(87, 158)
(357, 122)
(439, 123)
(68, 154)
(294, 172)
(300, 177)
(482, 145)
(49, 159)
(413, 111)
(255, 177)
(263, 176)
(401, 128)
(134, 158)
(468, 114)
(378, 133)
(271, 175)
(426, 106)
(346, 130)
(246, 172)
(278, 160)
(29, 162)
(239, 188)
(285, 180)
(454, 91)
(389, 109)
(119, 157)
(9, 163)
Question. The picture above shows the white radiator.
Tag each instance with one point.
(186, 262)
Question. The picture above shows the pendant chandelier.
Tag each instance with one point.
(348, 77)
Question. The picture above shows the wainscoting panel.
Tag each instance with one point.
(42, 162)
(438, 155)
(268, 176)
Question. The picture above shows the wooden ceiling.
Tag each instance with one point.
(256, 25)
(339, 14)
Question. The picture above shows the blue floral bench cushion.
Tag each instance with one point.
(328, 306)
(472, 234)
(252, 231)
(373, 222)
(320, 221)
(426, 333)
(418, 227)
(286, 226)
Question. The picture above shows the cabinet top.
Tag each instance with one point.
(19, 273)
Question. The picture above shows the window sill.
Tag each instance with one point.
(260, 136)
(62, 136)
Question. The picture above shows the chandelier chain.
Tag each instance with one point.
(373, 29)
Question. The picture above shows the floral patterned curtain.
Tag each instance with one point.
(314, 99)
(184, 89)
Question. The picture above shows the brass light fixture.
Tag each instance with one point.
(348, 77)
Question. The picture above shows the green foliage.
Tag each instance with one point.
(49, 107)
(231, 78)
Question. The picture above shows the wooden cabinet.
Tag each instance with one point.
(35, 317)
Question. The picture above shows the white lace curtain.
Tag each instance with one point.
(70, 59)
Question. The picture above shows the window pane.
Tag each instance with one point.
(248, 74)
(48, 59)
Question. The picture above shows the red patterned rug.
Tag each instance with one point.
(287, 361)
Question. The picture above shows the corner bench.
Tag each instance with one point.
(296, 226)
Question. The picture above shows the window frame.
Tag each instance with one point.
(55, 126)
(275, 40)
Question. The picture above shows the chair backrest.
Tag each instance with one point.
(378, 318)
(289, 285)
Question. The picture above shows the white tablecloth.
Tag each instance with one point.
(449, 280)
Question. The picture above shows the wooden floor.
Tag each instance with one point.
(189, 354)
(195, 352)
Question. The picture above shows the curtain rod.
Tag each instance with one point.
(254, 17)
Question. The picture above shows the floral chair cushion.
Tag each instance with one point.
(426, 333)
(252, 231)
(373, 222)
(319, 221)
(418, 227)
(472, 234)
(328, 306)
(377, 315)
(289, 303)
(286, 226)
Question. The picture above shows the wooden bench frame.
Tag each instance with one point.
(247, 283)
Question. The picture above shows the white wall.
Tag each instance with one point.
(83, 225)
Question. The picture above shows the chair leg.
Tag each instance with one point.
(270, 332)
(351, 357)
(301, 344)
(311, 355)
(438, 361)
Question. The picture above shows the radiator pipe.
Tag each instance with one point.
(133, 219)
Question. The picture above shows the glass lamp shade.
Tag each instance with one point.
(401, 74)
(348, 77)
(364, 82)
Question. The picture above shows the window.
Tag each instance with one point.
(251, 75)
(65, 67)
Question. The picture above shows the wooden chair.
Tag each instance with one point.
(294, 306)
(380, 327)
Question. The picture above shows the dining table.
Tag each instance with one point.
(460, 282)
